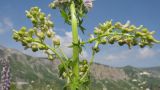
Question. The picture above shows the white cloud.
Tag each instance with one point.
(66, 41)
(146, 53)
(5, 25)
(138, 54)
(8, 22)
(118, 56)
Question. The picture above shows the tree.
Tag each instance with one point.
(76, 72)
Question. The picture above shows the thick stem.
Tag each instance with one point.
(75, 47)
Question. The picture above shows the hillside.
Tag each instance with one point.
(32, 73)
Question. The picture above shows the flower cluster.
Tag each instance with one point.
(34, 38)
(88, 4)
(5, 74)
(108, 33)
(82, 7)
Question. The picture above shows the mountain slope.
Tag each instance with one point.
(32, 73)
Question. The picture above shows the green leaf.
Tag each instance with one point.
(65, 16)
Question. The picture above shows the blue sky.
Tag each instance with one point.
(145, 12)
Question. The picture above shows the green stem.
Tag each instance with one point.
(75, 47)
(64, 55)
(89, 66)
(57, 54)
(104, 35)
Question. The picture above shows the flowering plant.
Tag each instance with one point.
(76, 72)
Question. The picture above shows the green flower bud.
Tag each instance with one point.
(86, 66)
(31, 32)
(56, 41)
(150, 38)
(49, 34)
(142, 45)
(64, 74)
(41, 35)
(139, 34)
(28, 14)
(50, 23)
(111, 40)
(41, 17)
(81, 73)
(97, 31)
(22, 31)
(28, 39)
(34, 47)
(34, 21)
(15, 36)
(118, 25)
(35, 8)
(121, 42)
(41, 47)
(132, 27)
(50, 57)
(84, 62)
(52, 5)
(134, 42)
(103, 41)
(144, 30)
(24, 43)
(82, 69)
(96, 49)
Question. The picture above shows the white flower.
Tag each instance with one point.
(88, 4)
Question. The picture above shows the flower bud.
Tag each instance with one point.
(84, 62)
(52, 5)
(142, 45)
(41, 47)
(132, 27)
(50, 57)
(34, 47)
(50, 23)
(82, 69)
(118, 25)
(103, 41)
(24, 43)
(150, 38)
(28, 14)
(111, 40)
(41, 35)
(81, 73)
(96, 49)
(56, 41)
(139, 34)
(28, 39)
(144, 30)
(15, 37)
(88, 4)
(134, 42)
(97, 31)
(41, 17)
(64, 74)
(49, 34)
(121, 42)
(34, 21)
(22, 31)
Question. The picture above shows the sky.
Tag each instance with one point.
(138, 12)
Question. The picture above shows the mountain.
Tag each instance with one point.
(33, 73)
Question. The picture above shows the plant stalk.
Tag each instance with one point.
(75, 56)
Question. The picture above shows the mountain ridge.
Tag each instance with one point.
(37, 73)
